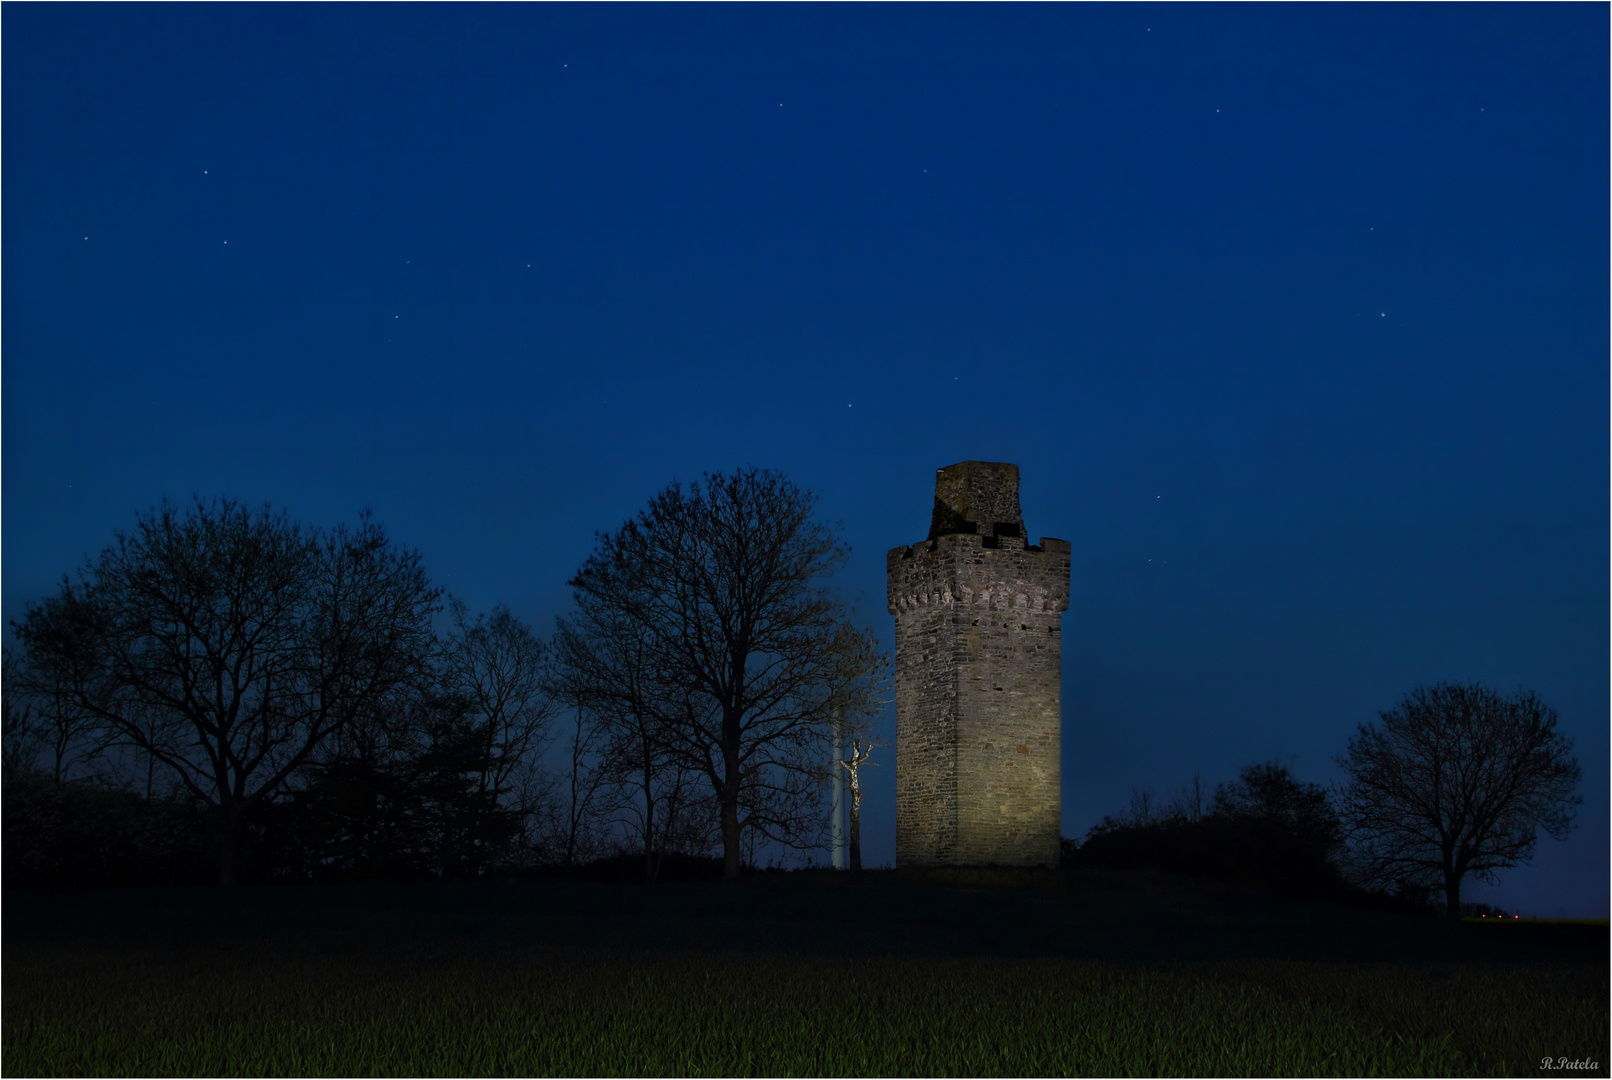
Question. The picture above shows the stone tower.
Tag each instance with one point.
(978, 611)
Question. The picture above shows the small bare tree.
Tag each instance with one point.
(577, 816)
(1190, 801)
(24, 734)
(43, 723)
(1457, 780)
(1144, 807)
(604, 658)
(858, 758)
(500, 669)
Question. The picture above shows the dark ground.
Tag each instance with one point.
(1124, 919)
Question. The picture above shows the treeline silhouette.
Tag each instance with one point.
(229, 694)
(226, 695)
(92, 832)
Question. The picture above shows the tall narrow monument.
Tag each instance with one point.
(978, 610)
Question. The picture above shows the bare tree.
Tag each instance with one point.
(576, 816)
(601, 658)
(605, 659)
(1190, 801)
(687, 820)
(230, 646)
(499, 668)
(1457, 780)
(858, 758)
(750, 655)
(42, 722)
(1144, 807)
(24, 734)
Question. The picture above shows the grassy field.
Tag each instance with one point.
(800, 976)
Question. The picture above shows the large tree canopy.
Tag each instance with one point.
(750, 658)
(231, 645)
(1456, 780)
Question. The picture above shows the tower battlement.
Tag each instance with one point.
(978, 613)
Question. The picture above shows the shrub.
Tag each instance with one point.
(1266, 830)
(86, 832)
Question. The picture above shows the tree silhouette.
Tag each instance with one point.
(1457, 780)
(749, 655)
(230, 646)
(604, 662)
(501, 673)
(858, 758)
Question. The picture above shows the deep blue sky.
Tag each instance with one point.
(1294, 318)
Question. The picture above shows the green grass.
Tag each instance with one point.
(673, 1015)
(466, 983)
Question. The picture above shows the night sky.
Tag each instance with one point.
(1294, 319)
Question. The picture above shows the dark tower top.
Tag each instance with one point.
(977, 497)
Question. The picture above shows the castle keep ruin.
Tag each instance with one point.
(978, 611)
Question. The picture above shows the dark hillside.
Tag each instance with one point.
(987, 973)
(1129, 919)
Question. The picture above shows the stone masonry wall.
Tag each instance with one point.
(978, 616)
